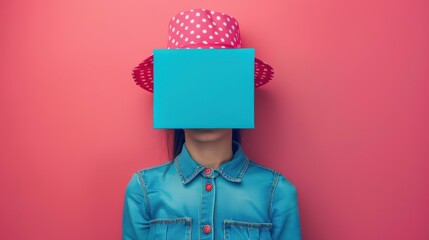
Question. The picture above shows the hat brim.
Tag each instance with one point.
(143, 73)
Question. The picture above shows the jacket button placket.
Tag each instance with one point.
(207, 205)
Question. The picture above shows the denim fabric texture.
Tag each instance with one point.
(239, 200)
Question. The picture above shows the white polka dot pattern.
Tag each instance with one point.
(142, 74)
(204, 29)
(201, 28)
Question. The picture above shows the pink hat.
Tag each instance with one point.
(201, 28)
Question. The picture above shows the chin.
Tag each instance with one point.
(207, 134)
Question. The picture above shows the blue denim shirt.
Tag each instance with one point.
(183, 200)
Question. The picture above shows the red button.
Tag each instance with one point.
(209, 187)
(207, 229)
(207, 171)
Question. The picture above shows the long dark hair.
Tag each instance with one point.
(179, 139)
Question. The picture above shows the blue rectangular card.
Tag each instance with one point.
(204, 88)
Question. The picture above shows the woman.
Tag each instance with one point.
(210, 190)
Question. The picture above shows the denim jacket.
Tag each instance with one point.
(182, 200)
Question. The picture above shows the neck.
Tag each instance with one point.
(210, 154)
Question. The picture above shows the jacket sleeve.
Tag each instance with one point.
(136, 212)
(285, 211)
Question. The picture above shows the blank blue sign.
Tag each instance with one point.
(204, 88)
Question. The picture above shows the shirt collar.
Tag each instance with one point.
(232, 170)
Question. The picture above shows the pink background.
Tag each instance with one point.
(345, 118)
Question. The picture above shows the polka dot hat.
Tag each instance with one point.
(201, 28)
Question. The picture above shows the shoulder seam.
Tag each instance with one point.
(143, 187)
(155, 167)
(273, 189)
(259, 165)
